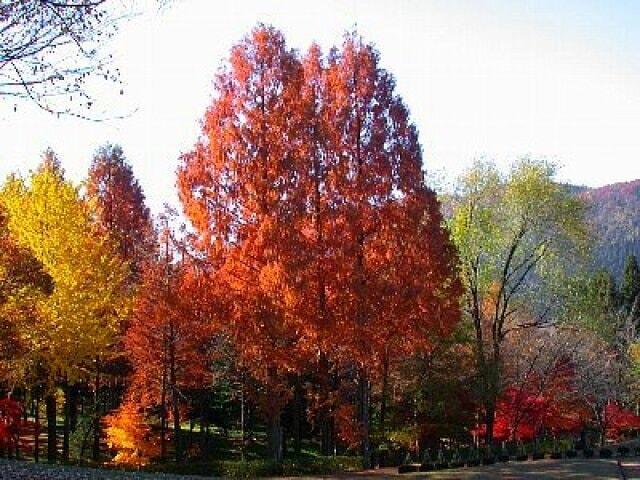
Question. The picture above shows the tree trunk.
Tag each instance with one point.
(325, 409)
(96, 415)
(242, 423)
(275, 436)
(176, 426)
(163, 416)
(489, 419)
(174, 394)
(383, 397)
(67, 421)
(363, 410)
(52, 441)
(73, 407)
(36, 435)
(297, 417)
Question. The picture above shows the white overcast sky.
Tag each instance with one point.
(499, 79)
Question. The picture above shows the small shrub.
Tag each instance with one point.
(606, 453)
(473, 462)
(623, 450)
(408, 468)
(261, 468)
(556, 455)
(636, 451)
(488, 460)
(537, 456)
(571, 454)
(457, 464)
(503, 458)
(588, 453)
(522, 457)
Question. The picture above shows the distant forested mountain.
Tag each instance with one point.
(614, 211)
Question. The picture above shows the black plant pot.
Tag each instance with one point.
(556, 455)
(408, 468)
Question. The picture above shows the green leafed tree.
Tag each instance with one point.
(520, 236)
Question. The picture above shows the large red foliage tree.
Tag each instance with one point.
(306, 192)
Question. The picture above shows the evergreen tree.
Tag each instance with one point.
(630, 286)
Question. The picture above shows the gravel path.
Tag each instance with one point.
(16, 470)
(576, 469)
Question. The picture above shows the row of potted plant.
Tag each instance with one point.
(477, 458)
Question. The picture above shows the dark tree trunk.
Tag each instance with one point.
(163, 416)
(275, 436)
(73, 407)
(177, 433)
(324, 414)
(383, 397)
(67, 422)
(363, 411)
(52, 441)
(297, 417)
(97, 416)
(175, 400)
(36, 435)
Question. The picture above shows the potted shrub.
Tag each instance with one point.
(537, 455)
(588, 453)
(408, 468)
(606, 453)
(623, 450)
(571, 454)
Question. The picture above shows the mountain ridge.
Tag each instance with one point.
(614, 214)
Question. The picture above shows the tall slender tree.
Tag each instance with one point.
(119, 204)
(630, 286)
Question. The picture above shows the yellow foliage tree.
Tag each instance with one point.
(79, 320)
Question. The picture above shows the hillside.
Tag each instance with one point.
(615, 215)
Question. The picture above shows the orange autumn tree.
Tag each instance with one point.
(396, 286)
(119, 205)
(164, 343)
(119, 210)
(307, 194)
(130, 435)
(239, 187)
